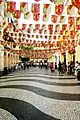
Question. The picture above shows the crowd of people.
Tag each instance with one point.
(71, 68)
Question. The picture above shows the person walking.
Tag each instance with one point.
(60, 67)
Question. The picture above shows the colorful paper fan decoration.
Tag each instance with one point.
(23, 7)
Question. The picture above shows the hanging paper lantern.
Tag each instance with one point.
(11, 6)
(23, 26)
(17, 14)
(52, 0)
(79, 11)
(59, 9)
(32, 36)
(35, 8)
(54, 18)
(28, 30)
(61, 32)
(46, 8)
(27, 15)
(62, 19)
(23, 7)
(36, 16)
(37, 0)
(71, 20)
(71, 10)
(43, 26)
(41, 36)
(37, 36)
(45, 31)
(28, 35)
(34, 30)
(77, 20)
(64, 26)
(1, 5)
(78, 27)
(45, 17)
(54, 37)
(40, 31)
(37, 26)
(76, 3)
(46, 36)
(57, 28)
(72, 34)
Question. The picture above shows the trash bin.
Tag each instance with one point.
(78, 74)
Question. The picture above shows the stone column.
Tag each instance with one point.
(1, 59)
(17, 58)
(61, 57)
(77, 53)
(9, 60)
(6, 62)
(6, 59)
(69, 57)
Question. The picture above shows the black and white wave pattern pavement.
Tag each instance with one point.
(37, 94)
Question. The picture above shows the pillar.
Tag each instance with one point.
(1, 59)
(77, 53)
(17, 58)
(5, 62)
(9, 61)
(69, 57)
(61, 57)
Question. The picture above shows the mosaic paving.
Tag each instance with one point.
(36, 94)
